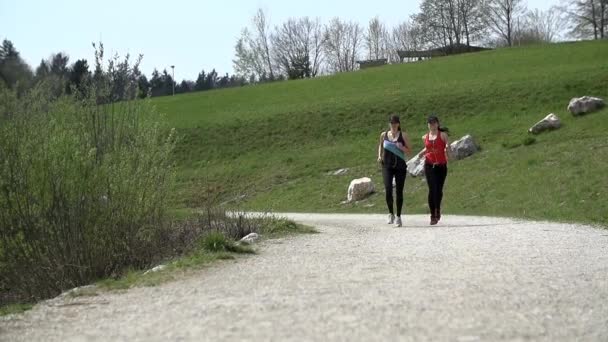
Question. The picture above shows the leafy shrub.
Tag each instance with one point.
(83, 187)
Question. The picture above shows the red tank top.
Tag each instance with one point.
(435, 150)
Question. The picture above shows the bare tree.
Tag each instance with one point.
(450, 22)
(435, 23)
(406, 36)
(316, 42)
(587, 18)
(471, 13)
(297, 47)
(342, 44)
(501, 16)
(253, 51)
(541, 26)
(603, 18)
(454, 18)
(263, 39)
(376, 39)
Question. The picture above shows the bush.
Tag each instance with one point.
(83, 189)
(217, 242)
(213, 229)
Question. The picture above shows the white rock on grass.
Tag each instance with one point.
(359, 189)
(585, 104)
(463, 147)
(251, 238)
(415, 166)
(76, 292)
(156, 269)
(550, 122)
(339, 172)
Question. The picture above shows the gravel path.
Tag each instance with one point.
(468, 279)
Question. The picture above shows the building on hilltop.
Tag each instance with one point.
(372, 63)
(455, 49)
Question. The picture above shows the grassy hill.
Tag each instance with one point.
(269, 147)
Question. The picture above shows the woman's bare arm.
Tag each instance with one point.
(448, 148)
(421, 153)
(380, 147)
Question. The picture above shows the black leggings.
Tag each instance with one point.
(399, 175)
(435, 178)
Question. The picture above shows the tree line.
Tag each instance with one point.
(68, 78)
(306, 47)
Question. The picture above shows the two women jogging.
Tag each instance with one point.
(393, 146)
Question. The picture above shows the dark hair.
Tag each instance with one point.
(433, 118)
(395, 119)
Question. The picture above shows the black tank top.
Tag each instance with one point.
(389, 159)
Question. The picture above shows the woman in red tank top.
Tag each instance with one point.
(436, 147)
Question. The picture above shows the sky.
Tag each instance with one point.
(192, 35)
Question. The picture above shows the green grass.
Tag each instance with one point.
(15, 309)
(194, 260)
(274, 143)
(217, 242)
(135, 278)
(281, 227)
(212, 247)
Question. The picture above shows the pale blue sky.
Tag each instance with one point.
(193, 35)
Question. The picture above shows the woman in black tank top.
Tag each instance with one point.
(394, 166)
